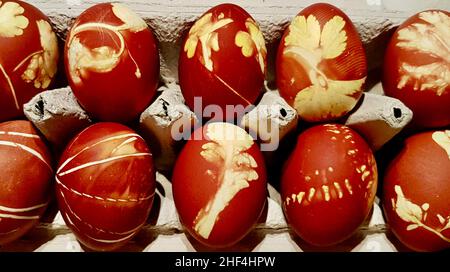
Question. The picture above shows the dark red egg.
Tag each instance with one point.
(417, 67)
(328, 184)
(416, 192)
(105, 185)
(219, 184)
(112, 62)
(28, 56)
(223, 60)
(321, 65)
(25, 181)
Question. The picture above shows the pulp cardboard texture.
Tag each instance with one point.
(57, 114)
(157, 123)
(379, 118)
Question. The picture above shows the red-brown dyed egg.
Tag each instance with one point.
(321, 65)
(417, 67)
(105, 185)
(25, 180)
(28, 56)
(328, 184)
(219, 184)
(223, 60)
(416, 192)
(112, 62)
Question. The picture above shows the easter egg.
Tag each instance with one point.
(328, 184)
(105, 184)
(223, 61)
(321, 65)
(416, 192)
(26, 179)
(219, 184)
(417, 68)
(28, 56)
(112, 62)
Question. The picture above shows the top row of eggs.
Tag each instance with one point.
(112, 62)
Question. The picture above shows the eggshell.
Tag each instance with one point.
(112, 62)
(321, 65)
(416, 192)
(417, 67)
(219, 184)
(25, 181)
(28, 56)
(223, 60)
(105, 184)
(328, 184)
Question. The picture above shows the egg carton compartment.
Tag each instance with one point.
(58, 116)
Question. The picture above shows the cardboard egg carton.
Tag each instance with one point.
(57, 114)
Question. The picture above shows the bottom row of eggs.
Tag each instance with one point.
(105, 185)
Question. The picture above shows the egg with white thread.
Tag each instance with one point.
(416, 192)
(112, 62)
(417, 68)
(28, 56)
(26, 179)
(223, 61)
(219, 184)
(105, 185)
(321, 65)
(328, 184)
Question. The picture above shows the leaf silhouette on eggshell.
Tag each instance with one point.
(228, 151)
(12, 20)
(250, 40)
(131, 20)
(204, 31)
(413, 213)
(101, 59)
(405, 209)
(333, 39)
(428, 37)
(442, 138)
(43, 65)
(315, 100)
(304, 33)
(412, 227)
(309, 45)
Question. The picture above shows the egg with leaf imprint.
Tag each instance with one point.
(223, 60)
(112, 62)
(417, 67)
(328, 184)
(321, 65)
(28, 56)
(416, 192)
(219, 184)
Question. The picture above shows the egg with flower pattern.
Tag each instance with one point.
(328, 184)
(321, 65)
(417, 67)
(223, 60)
(416, 192)
(112, 62)
(219, 184)
(28, 56)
